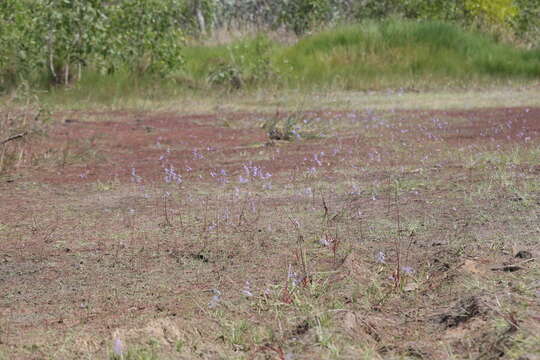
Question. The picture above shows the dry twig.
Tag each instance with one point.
(14, 137)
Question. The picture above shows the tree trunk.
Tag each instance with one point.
(200, 17)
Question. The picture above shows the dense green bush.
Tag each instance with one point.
(21, 47)
(527, 21)
(240, 64)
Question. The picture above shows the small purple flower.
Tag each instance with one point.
(171, 175)
(134, 177)
(242, 180)
(215, 299)
(316, 159)
(223, 180)
(324, 242)
(292, 276)
(165, 156)
(407, 270)
(253, 206)
(118, 347)
(380, 257)
(226, 214)
(197, 155)
(247, 289)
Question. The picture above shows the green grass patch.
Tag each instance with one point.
(358, 57)
(370, 55)
(399, 53)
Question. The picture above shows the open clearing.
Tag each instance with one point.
(387, 232)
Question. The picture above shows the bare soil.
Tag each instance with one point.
(99, 242)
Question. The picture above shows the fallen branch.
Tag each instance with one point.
(512, 267)
(12, 138)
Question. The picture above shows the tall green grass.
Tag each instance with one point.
(370, 55)
(367, 55)
(396, 52)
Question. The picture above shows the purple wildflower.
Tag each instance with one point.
(197, 155)
(215, 299)
(324, 241)
(134, 177)
(292, 276)
(118, 347)
(172, 176)
(407, 270)
(247, 289)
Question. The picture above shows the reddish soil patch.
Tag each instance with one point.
(520, 124)
(191, 143)
(146, 143)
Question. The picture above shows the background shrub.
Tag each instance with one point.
(55, 41)
(44, 42)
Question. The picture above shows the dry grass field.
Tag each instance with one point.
(353, 226)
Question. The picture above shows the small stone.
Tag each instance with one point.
(411, 287)
(524, 254)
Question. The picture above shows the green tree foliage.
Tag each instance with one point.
(494, 11)
(145, 35)
(56, 40)
(199, 16)
(19, 44)
(520, 17)
(70, 31)
(302, 15)
(527, 21)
